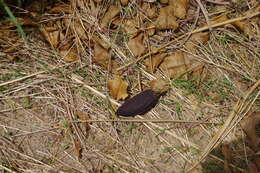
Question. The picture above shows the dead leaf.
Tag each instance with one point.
(174, 64)
(164, 1)
(112, 11)
(53, 38)
(252, 168)
(245, 27)
(180, 7)
(153, 62)
(118, 88)
(253, 10)
(22, 21)
(62, 8)
(84, 117)
(131, 27)
(136, 45)
(218, 19)
(249, 27)
(80, 29)
(195, 40)
(150, 29)
(102, 57)
(166, 19)
(226, 151)
(78, 148)
(70, 55)
(98, 1)
(149, 10)
(257, 161)
(159, 85)
(50, 28)
(124, 2)
(249, 124)
(101, 42)
(197, 71)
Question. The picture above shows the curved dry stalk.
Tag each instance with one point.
(232, 119)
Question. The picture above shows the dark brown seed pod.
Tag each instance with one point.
(139, 104)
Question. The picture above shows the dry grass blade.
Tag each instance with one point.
(232, 119)
(6, 169)
(57, 116)
(77, 79)
(34, 74)
(204, 13)
(146, 122)
(182, 36)
(150, 120)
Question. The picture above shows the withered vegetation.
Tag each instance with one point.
(62, 84)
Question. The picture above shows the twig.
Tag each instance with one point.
(34, 132)
(27, 157)
(205, 13)
(149, 120)
(220, 3)
(77, 79)
(14, 109)
(34, 74)
(182, 36)
(6, 169)
(226, 127)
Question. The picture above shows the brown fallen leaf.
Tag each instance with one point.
(164, 1)
(78, 148)
(53, 37)
(252, 168)
(249, 26)
(218, 19)
(70, 55)
(249, 124)
(159, 85)
(62, 8)
(101, 42)
(102, 57)
(166, 19)
(118, 88)
(98, 1)
(153, 62)
(245, 27)
(180, 7)
(84, 117)
(257, 161)
(112, 11)
(149, 10)
(75, 28)
(174, 64)
(124, 2)
(136, 45)
(131, 27)
(197, 70)
(22, 21)
(150, 29)
(195, 40)
(226, 151)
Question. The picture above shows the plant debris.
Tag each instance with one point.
(139, 104)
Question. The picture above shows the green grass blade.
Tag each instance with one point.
(13, 19)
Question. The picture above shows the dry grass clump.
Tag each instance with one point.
(57, 113)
